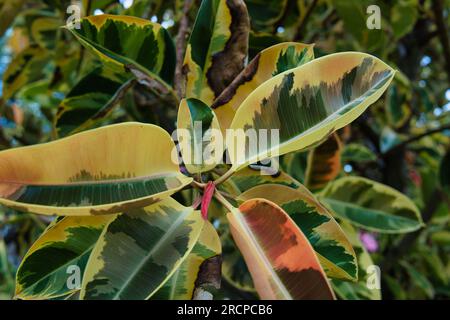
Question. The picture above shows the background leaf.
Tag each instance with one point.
(372, 205)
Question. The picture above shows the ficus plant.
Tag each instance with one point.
(127, 195)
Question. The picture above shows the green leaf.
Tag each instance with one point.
(359, 153)
(397, 109)
(234, 269)
(131, 43)
(67, 243)
(419, 280)
(357, 290)
(306, 104)
(372, 205)
(217, 48)
(253, 176)
(198, 127)
(444, 173)
(114, 170)
(92, 99)
(264, 66)
(354, 15)
(199, 272)
(404, 14)
(140, 250)
(28, 66)
(265, 14)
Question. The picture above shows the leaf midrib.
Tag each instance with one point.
(158, 245)
(260, 252)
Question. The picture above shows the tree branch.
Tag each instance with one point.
(180, 48)
(417, 137)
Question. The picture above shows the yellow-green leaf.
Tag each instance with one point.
(266, 64)
(25, 68)
(372, 205)
(124, 41)
(306, 104)
(357, 290)
(90, 100)
(199, 271)
(199, 136)
(106, 170)
(217, 48)
(140, 250)
(60, 252)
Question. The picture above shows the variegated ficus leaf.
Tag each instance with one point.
(90, 100)
(267, 64)
(356, 152)
(45, 31)
(251, 177)
(306, 104)
(25, 68)
(63, 249)
(101, 171)
(332, 247)
(200, 271)
(197, 128)
(397, 110)
(265, 14)
(357, 290)
(140, 250)
(217, 48)
(280, 259)
(324, 163)
(125, 42)
(372, 205)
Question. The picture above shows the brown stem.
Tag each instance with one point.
(417, 137)
(180, 47)
(443, 33)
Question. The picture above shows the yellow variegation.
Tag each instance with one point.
(199, 271)
(217, 48)
(140, 250)
(65, 247)
(357, 290)
(25, 68)
(266, 64)
(304, 105)
(125, 42)
(372, 205)
(199, 136)
(106, 170)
